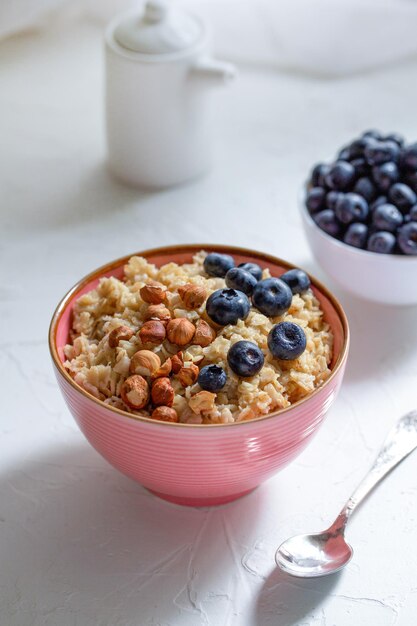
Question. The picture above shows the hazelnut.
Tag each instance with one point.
(153, 292)
(165, 414)
(158, 312)
(152, 331)
(188, 374)
(135, 392)
(121, 333)
(163, 370)
(203, 401)
(204, 334)
(144, 363)
(162, 392)
(177, 361)
(180, 331)
(193, 296)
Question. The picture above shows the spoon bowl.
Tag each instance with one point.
(314, 555)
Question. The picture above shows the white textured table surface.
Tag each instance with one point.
(82, 545)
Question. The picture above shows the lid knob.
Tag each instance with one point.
(155, 11)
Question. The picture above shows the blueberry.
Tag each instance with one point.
(365, 188)
(212, 378)
(253, 269)
(297, 280)
(216, 264)
(344, 154)
(372, 134)
(407, 238)
(402, 196)
(357, 148)
(396, 137)
(227, 306)
(409, 157)
(332, 198)
(240, 279)
(352, 208)
(340, 176)
(318, 174)
(385, 175)
(378, 152)
(286, 341)
(245, 358)
(272, 296)
(326, 220)
(413, 213)
(376, 203)
(382, 242)
(387, 217)
(361, 167)
(315, 199)
(410, 178)
(356, 235)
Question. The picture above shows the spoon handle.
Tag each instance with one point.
(401, 440)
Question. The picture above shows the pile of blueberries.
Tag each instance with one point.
(271, 296)
(367, 198)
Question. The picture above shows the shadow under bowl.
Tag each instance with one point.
(198, 465)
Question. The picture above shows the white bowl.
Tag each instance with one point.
(384, 278)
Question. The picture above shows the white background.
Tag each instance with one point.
(82, 545)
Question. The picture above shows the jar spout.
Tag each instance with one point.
(213, 71)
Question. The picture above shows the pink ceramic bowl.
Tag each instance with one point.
(198, 464)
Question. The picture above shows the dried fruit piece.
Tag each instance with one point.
(121, 333)
(204, 334)
(180, 331)
(145, 363)
(135, 392)
(165, 414)
(162, 392)
(188, 374)
(153, 292)
(193, 296)
(152, 331)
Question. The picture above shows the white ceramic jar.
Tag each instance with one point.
(159, 76)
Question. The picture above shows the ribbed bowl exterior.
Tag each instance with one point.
(199, 465)
(196, 464)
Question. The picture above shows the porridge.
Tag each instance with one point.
(201, 343)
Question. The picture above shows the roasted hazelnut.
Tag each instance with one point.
(145, 363)
(193, 296)
(157, 312)
(165, 414)
(177, 361)
(153, 292)
(135, 392)
(152, 331)
(188, 374)
(164, 370)
(121, 333)
(202, 402)
(162, 392)
(204, 334)
(180, 331)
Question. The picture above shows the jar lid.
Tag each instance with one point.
(158, 30)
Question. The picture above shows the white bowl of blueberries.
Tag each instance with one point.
(360, 217)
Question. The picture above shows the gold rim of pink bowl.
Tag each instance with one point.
(191, 248)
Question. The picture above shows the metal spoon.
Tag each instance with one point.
(327, 552)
